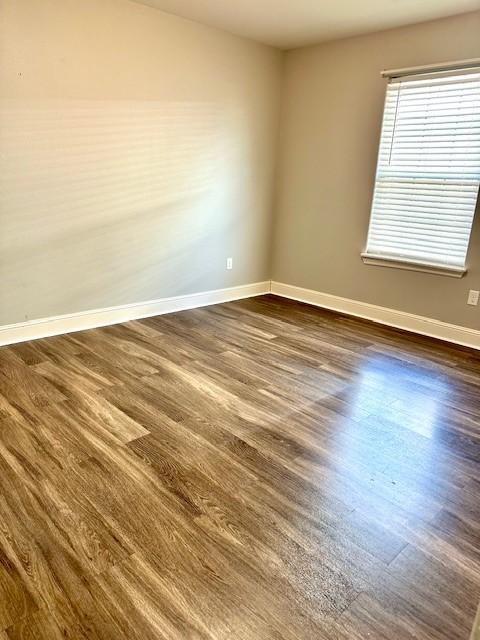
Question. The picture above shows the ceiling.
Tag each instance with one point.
(293, 23)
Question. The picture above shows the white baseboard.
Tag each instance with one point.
(391, 317)
(34, 329)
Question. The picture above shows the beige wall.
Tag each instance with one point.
(332, 109)
(137, 154)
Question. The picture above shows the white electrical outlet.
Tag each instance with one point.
(473, 297)
(229, 263)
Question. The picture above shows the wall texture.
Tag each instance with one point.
(332, 110)
(137, 153)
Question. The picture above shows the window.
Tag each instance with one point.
(428, 172)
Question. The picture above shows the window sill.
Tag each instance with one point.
(383, 261)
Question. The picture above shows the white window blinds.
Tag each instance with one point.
(428, 170)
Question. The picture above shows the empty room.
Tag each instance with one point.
(239, 320)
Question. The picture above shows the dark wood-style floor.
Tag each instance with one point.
(254, 470)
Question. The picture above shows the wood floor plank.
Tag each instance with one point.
(26, 390)
(258, 469)
(41, 625)
(15, 599)
(444, 583)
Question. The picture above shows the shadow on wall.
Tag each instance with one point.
(107, 202)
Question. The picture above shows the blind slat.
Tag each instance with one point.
(428, 170)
